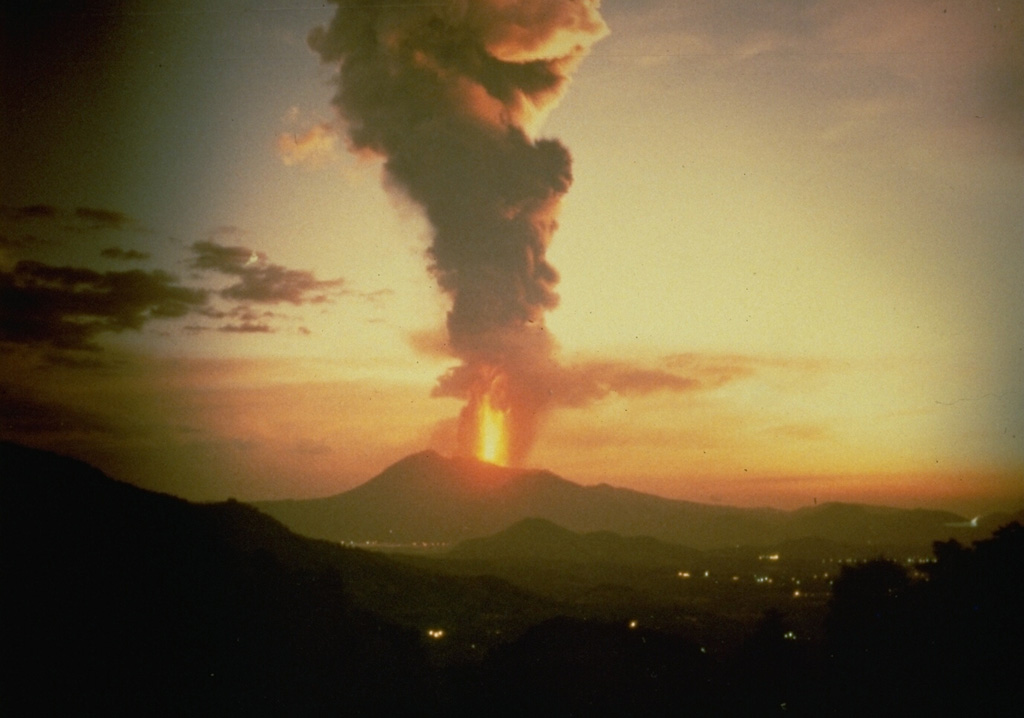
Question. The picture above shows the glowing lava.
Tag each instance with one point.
(485, 421)
(492, 433)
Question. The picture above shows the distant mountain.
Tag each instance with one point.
(428, 498)
(540, 540)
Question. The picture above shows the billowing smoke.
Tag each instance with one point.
(450, 93)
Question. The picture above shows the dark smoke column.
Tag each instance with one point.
(450, 94)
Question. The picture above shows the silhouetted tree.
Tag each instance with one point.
(771, 673)
(950, 644)
(970, 626)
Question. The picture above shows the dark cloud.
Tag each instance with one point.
(29, 212)
(24, 241)
(127, 255)
(258, 279)
(67, 307)
(103, 218)
(79, 219)
(450, 94)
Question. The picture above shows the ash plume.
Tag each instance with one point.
(450, 94)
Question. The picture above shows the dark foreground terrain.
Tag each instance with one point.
(118, 601)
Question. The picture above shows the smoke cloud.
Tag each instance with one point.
(450, 94)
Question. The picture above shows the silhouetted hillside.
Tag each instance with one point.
(541, 540)
(118, 601)
(429, 498)
(128, 602)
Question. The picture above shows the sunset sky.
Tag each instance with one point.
(791, 259)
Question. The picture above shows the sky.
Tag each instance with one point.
(789, 264)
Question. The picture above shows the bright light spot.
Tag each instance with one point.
(492, 443)
(684, 574)
(789, 635)
(796, 593)
(633, 624)
(435, 633)
(487, 419)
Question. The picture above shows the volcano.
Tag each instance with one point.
(430, 499)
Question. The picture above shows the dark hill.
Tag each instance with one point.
(540, 540)
(429, 498)
(425, 497)
(119, 601)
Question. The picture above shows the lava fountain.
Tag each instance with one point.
(485, 423)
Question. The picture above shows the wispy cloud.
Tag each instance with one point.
(259, 280)
(29, 212)
(103, 218)
(246, 328)
(67, 307)
(79, 219)
(127, 255)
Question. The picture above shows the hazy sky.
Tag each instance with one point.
(791, 258)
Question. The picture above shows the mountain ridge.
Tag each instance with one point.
(542, 540)
(428, 498)
(61, 512)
